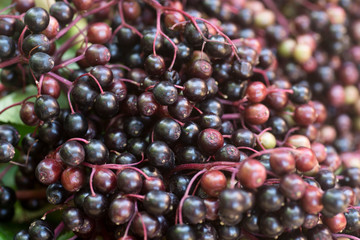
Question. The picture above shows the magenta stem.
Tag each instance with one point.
(12, 61)
(21, 39)
(60, 79)
(131, 220)
(119, 66)
(248, 148)
(263, 73)
(158, 29)
(58, 229)
(143, 226)
(230, 116)
(93, 170)
(66, 29)
(130, 81)
(10, 16)
(338, 235)
(96, 81)
(5, 170)
(69, 61)
(69, 100)
(79, 139)
(40, 84)
(6, 8)
(288, 134)
(135, 196)
(16, 104)
(186, 194)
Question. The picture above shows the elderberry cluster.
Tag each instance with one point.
(184, 120)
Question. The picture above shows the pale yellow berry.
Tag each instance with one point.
(286, 48)
(302, 53)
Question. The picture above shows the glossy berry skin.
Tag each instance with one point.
(228, 153)
(157, 202)
(48, 171)
(213, 182)
(270, 225)
(22, 235)
(7, 47)
(305, 115)
(116, 140)
(104, 181)
(152, 225)
(46, 107)
(73, 218)
(257, 114)
(165, 93)
(7, 152)
(193, 36)
(282, 162)
(256, 92)
(194, 210)
(37, 19)
(334, 201)
(99, 33)
(62, 12)
(129, 181)
(195, 89)
(292, 186)
(209, 141)
(106, 105)
(154, 65)
(121, 210)
(292, 216)
(352, 220)
(270, 199)
(41, 62)
(97, 54)
(305, 159)
(160, 155)
(216, 49)
(73, 179)
(95, 206)
(167, 130)
(7, 196)
(251, 174)
(336, 223)
(75, 125)
(200, 69)
(243, 138)
(72, 153)
(231, 206)
(56, 194)
(40, 230)
(181, 108)
(96, 152)
(35, 43)
(311, 201)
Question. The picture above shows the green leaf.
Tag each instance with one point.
(65, 235)
(12, 115)
(8, 230)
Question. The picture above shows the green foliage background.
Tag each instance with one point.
(23, 217)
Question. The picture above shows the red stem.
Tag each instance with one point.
(8, 7)
(186, 194)
(5, 170)
(12, 61)
(60, 79)
(93, 170)
(69, 61)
